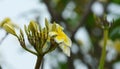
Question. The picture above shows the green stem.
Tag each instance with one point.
(39, 61)
(103, 56)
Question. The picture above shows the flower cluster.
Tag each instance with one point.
(43, 40)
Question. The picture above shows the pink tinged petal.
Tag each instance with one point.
(65, 49)
(58, 39)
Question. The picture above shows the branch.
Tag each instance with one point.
(84, 17)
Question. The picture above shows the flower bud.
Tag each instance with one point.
(47, 24)
(9, 29)
(6, 20)
(33, 26)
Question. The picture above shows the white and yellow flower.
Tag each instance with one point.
(61, 38)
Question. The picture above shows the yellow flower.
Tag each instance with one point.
(61, 38)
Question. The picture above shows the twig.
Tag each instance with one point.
(81, 23)
(3, 38)
(0, 67)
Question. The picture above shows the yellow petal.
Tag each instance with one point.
(58, 39)
(65, 49)
(67, 40)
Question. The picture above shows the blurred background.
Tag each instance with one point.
(77, 18)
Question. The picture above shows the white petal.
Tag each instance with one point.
(52, 34)
(65, 49)
(68, 42)
(58, 26)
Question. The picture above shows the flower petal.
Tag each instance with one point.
(65, 49)
(59, 27)
(67, 41)
(58, 39)
(51, 34)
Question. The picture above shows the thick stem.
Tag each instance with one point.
(102, 60)
(39, 62)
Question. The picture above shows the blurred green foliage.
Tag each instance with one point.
(63, 65)
(115, 29)
(115, 1)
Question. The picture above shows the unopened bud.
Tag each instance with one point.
(9, 29)
(6, 20)
(33, 26)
